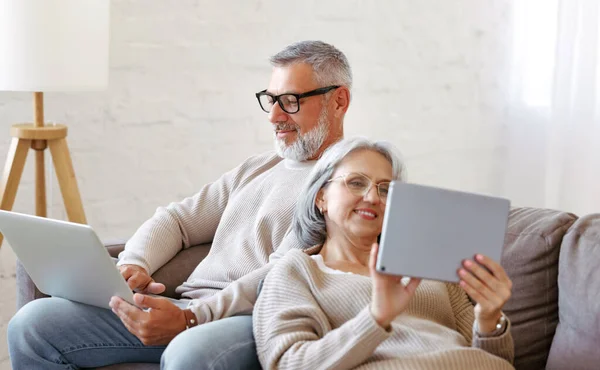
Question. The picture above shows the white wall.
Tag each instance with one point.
(429, 75)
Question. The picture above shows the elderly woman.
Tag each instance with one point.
(327, 308)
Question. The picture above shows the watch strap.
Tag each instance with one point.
(190, 318)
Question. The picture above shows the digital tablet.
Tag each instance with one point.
(428, 231)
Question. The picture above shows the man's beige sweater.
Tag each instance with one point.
(246, 214)
(307, 318)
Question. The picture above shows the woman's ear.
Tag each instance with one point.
(320, 201)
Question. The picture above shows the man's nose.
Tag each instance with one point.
(277, 114)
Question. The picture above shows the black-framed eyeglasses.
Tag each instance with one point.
(359, 185)
(290, 103)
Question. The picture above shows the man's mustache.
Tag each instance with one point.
(285, 127)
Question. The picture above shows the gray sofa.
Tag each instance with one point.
(553, 259)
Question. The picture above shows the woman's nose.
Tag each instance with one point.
(372, 195)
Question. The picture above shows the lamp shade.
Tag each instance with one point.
(54, 45)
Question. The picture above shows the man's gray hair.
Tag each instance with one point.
(309, 223)
(329, 64)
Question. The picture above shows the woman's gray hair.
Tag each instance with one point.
(329, 64)
(309, 223)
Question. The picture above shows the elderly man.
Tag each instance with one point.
(246, 213)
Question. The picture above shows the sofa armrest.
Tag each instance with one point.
(115, 246)
(172, 274)
(26, 289)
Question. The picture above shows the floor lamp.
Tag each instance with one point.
(49, 46)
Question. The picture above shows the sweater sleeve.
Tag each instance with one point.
(292, 332)
(240, 296)
(190, 222)
(501, 346)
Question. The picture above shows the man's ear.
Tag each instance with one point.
(341, 101)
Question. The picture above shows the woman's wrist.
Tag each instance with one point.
(381, 321)
(489, 325)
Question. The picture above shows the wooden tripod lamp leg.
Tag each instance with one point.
(15, 162)
(40, 184)
(39, 146)
(66, 180)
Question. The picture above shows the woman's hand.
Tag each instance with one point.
(157, 326)
(491, 289)
(390, 297)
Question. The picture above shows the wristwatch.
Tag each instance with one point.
(500, 328)
(190, 319)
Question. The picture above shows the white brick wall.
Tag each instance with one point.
(429, 75)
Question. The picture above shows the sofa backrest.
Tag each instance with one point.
(576, 344)
(530, 258)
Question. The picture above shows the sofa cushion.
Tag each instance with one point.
(576, 344)
(530, 258)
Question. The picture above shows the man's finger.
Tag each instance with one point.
(128, 324)
(154, 288)
(122, 308)
(127, 272)
(135, 280)
(144, 301)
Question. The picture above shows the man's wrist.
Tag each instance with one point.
(190, 318)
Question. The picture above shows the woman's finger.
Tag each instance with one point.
(373, 257)
(475, 283)
(496, 269)
(474, 293)
(500, 288)
(483, 275)
(412, 285)
(488, 302)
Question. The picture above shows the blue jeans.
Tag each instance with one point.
(54, 333)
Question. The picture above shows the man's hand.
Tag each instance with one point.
(157, 326)
(138, 280)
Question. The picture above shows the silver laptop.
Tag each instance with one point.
(428, 231)
(64, 259)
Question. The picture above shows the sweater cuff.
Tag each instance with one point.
(202, 311)
(368, 329)
(127, 258)
(501, 345)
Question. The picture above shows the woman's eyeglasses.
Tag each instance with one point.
(359, 185)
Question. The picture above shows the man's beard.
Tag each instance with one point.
(306, 145)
